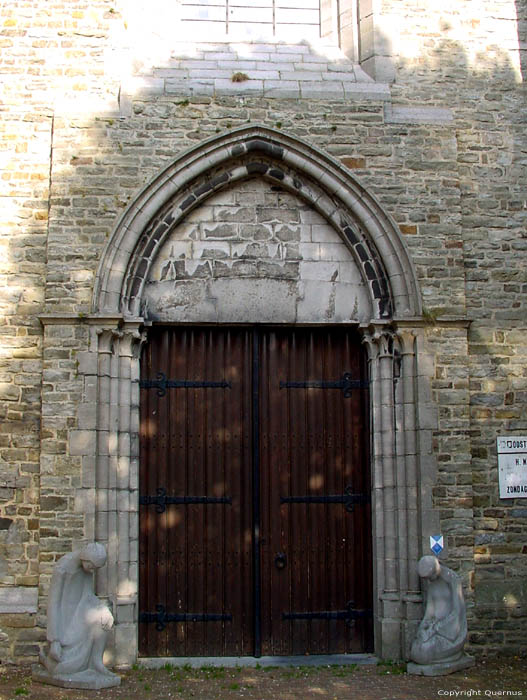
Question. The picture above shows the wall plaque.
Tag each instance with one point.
(512, 466)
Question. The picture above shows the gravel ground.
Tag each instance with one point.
(494, 678)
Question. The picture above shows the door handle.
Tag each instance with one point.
(280, 560)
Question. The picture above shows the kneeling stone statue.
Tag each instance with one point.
(78, 624)
(437, 649)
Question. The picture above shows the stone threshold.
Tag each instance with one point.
(263, 661)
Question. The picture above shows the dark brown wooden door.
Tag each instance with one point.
(255, 528)
(195, 555)
(315, 549)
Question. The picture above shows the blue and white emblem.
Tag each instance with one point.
(436, 544)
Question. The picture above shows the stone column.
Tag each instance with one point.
(401, 444)
(408, 377)
(105, 348)
(377, 512)
(408, 484)
(379, 341)
(127, 495)
(110, 504)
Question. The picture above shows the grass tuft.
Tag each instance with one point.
(239, 77)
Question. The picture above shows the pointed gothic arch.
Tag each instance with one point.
(402, 413)
(368, 231)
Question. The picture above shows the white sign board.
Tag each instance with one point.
(512, 466)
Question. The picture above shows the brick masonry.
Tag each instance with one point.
(89, 117)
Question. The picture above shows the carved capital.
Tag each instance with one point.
(132, 339)
(379, 341)
(106, 338)
(406, 338)
(366, 340)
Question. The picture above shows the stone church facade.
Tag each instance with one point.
(357, 165)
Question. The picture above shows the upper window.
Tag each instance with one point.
(291, 20)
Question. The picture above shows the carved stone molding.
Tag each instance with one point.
(371, 236)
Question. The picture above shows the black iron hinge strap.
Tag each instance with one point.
(161, 618)
(161, 501)
(349, 615)
(161, 383)
(348, 499)
(346, 384)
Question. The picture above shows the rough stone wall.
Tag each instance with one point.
(477, 63)
(444, 151)
(49, 55)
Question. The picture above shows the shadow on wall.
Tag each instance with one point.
(490, 160)
(521, 24)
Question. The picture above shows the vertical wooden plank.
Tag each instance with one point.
(176, 486)
(301, 448)
(365, 599)
(256, 495)
(341, 543)
(196, 578)
(239, 565)
(280, 471)
(146, 428)
(233, 469)
(246, 505)
(274, 478)
(213, 552)
(163, 481)
(318, 427)
(352, 572)
(355, 567)
(270, 614)
(342, 429)
(289, 531)
(189, 525)
(150, 556)
(231, 572)
(267, 444)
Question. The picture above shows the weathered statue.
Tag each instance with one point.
(438, 646)
(78, 624)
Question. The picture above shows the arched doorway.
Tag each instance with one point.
(163, 267)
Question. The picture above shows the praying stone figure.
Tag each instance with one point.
(78, 624)
(438, 646)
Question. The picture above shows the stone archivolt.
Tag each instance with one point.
(257, 151)
(392, 335)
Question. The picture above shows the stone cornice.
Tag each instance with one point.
(60, 319)
(440, 321)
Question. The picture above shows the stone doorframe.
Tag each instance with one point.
(402, 413)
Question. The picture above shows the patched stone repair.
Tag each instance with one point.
(255, 252)
(370, 272)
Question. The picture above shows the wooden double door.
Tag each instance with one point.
(255, 520)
